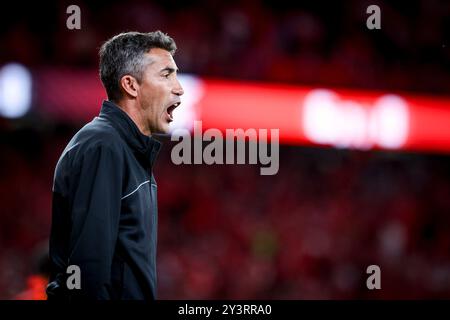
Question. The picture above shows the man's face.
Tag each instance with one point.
(159, 91)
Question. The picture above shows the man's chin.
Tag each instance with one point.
(163, 129)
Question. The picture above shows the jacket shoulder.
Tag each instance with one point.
(95, 135)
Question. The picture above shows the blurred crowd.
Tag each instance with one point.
(309, 232)
(309, 42)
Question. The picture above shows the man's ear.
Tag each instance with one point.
(129, 85)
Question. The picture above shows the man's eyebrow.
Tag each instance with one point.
(169, 69)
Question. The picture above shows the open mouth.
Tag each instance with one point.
(170, 109)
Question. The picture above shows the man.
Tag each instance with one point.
(104, 218)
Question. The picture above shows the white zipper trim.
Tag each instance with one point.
(135, 189)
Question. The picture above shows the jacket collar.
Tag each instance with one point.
(145, 148)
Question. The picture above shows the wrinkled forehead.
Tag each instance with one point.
(159, 59)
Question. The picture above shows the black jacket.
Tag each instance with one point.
(104, 215)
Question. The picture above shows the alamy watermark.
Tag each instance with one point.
(230, 149)
(374, 280)
(374, 20)
(74, 280)
(74, 20)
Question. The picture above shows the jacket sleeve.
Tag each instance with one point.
(95, 211)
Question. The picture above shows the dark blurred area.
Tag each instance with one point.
(312, 42)
(308, 232)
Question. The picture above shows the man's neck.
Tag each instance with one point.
(130, 108)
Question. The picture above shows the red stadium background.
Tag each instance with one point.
(364, 120)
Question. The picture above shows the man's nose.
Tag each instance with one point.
(178, 89)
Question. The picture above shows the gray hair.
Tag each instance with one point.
(123, 54)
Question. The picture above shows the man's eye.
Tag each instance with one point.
(167, 75)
